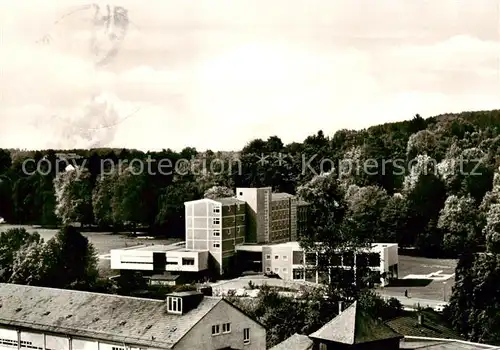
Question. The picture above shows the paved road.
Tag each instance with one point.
(411, 302)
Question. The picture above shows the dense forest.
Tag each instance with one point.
(404, 182)
(430, 184)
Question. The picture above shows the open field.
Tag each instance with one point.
(102, 241)
(423, 278)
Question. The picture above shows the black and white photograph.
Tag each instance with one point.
(250, 175)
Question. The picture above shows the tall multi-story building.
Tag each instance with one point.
(216, 226)
(256, 230)
(272, 217)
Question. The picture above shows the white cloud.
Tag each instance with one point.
(219, 77)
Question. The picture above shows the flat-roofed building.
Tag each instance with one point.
(55, 319)
(160, 258)
(291, 262)
(216, 226)
(272, 217)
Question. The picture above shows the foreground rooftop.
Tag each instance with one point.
(139, 321)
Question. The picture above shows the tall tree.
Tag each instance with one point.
(73, 196)
(215, 192)
(460, 223)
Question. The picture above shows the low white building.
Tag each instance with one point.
(291, 262)
(159, 259)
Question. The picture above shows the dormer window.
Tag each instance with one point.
(174, 305)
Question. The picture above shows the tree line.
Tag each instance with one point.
(450, 160)
(444, 203)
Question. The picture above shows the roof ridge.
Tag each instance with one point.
(96, 293)
(80, 291)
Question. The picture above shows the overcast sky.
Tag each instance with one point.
(216, 74)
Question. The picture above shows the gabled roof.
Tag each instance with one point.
(108, 317)
(353, 326)
(295, 342)
(432, 326)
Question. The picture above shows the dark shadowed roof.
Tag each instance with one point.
(441, 344)
(295, 342)
(432, 326)
(229, 201)
(100, 316)
(353, 326)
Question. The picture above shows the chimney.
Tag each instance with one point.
(340, 307)
(420, 319)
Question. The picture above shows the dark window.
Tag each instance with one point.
(374, 259)
(348, 259)
(187, 261)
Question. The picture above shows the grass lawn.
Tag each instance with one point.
(102, 241)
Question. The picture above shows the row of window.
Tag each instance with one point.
(277, 269)
(276, 257)
(216, 233)
(226, 328)
(216, 329)
(216, 210)
(29, 345)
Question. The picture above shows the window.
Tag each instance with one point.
(284, 269)
(276, 269)
(238, 229)
(174, 304)
(285, 257)
(117, 348)
(216, 245)
(268, 269)
(216, 233)
(187, 261)
(226, 328)
(276, 257)
(216, 210)
(322, 346)
(268, 257)
(216, 221)
(215, 329)
(298, 274)
(246, 335)
(241, 193)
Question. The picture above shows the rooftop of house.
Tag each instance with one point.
(441, 344)
(303, 342)
(137, 321)
(295, 342)
(433, 326)
(353, 326)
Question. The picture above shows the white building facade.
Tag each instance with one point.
(290, 262)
